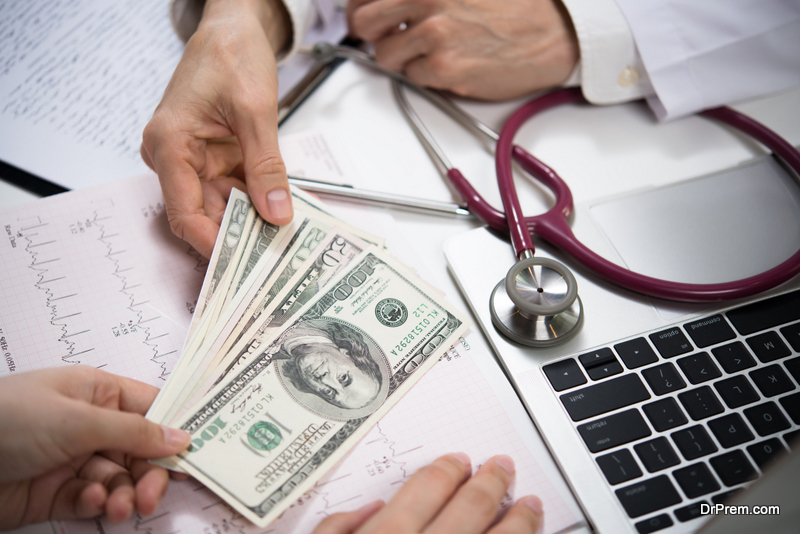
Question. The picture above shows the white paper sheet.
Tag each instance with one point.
(79, 80)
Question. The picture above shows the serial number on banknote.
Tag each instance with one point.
(418, 330)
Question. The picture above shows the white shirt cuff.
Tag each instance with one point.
(610, 69)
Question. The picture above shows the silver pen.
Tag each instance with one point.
(380, 198)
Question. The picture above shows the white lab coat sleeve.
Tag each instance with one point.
(185, 16)
(610, 69)
(705, 53)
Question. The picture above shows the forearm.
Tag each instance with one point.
(285, 22)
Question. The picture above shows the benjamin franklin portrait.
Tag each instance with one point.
(333, 369)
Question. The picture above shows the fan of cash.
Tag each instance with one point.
(302, 338)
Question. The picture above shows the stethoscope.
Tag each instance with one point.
(537, 304)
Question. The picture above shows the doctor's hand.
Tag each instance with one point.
(217, 124)
(73, 446)
(443, 497)
(477, 48)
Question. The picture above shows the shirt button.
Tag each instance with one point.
(628, 77)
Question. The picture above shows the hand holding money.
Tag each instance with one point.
(55, 424)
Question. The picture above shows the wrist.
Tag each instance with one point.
(271, 14)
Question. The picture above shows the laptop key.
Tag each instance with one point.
(768, 347)
(665, 414)
(692, 511)
(656, 454)
(663, 378)
(731, 430)
(694, 442)
(636, 353)
(613, 430)
(604, 397)
(767, 313)
(597, 357)
(736, 391)
(619, 466)
(600, 363)
(671, 342)
(648, 496)
(792, 335)
(699, 368)
(791, 403)
(767, 418)
(709, 331)
(733, 468)
(772, 380)
(696, 480)
(765, 452)
(654, 524)
(734, 357)
(700, 403)
(564, 374)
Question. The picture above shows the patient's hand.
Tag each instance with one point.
(442, 497)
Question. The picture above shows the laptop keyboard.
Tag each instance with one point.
(689, 414)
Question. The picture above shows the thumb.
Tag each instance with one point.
(264, 170)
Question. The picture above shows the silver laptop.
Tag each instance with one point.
(660, 413)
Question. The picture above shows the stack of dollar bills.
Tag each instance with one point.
(302, 338)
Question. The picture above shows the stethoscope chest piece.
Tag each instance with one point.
(537, 304)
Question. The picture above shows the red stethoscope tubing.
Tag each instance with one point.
(553, 226)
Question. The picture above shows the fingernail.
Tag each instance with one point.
(279, 203)
(463, 458)
(506, 463)
(534, 503)
(175, 437)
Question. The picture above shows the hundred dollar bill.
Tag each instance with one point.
(310, 233)
(300, 247)
(307, 231)
(287, 256)
(269, 432)
(210, 328)
(264, 251)
(336, 252)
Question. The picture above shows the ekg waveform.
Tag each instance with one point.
(145, 321)
(44, 264)
(71, 271)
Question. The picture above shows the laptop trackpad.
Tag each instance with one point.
(716, 228)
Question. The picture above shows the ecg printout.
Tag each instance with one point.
(95, 277)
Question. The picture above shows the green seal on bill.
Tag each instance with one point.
(264, 436)
(391, 312)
